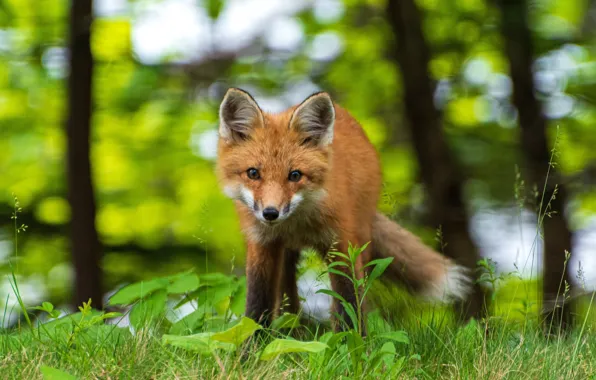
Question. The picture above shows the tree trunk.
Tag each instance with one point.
(438, 169)
(539, 171)
(85, 245)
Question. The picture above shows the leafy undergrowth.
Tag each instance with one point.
(214, 341)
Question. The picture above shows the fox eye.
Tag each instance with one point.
(253, 173)
(295, 176)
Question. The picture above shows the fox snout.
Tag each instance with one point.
(270, 213)
(268, 204)
(275, 213)
(272, 203)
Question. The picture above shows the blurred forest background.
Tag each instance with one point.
(435, 95)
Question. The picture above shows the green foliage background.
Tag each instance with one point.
(159, 208)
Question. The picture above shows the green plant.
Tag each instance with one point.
(361, 282)
(353, 342)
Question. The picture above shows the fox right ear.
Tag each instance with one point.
(239, 114)
(315, 119)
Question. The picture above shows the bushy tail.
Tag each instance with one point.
(420, 268)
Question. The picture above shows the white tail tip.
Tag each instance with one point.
(454, 285)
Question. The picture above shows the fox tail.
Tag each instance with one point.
(421, 269)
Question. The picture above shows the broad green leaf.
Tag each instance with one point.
(215, 324)
(213, 295)
(202, 343)
(222, 306)
(284, 346)
(286, 321)
(47, 306)
(216, 278)
(133, 292)
(326, 337)
(238, 333)
(396, 336)
(189, 323)
(148, 310)
(187, 282)
(186, 299)
(50, 373)
(212, 291)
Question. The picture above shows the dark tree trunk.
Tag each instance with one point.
(541, 175)
(85, 245)
(589, 22)
(438, 169)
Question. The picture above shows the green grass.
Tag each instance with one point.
(442, 352)
(411, 340)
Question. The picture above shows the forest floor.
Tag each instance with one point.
(406, 340)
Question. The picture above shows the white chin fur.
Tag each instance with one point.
(454, 285)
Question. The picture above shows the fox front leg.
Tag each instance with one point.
(263, 277)
(289, 285)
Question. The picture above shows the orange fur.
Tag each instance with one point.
(334, 202)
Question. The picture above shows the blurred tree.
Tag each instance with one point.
(546, 183)
(439, 171)
(85, 246)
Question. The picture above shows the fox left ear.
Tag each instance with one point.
(315, 119)
(239, 115)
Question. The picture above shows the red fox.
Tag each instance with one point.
(309, 178)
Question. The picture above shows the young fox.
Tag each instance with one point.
(309, 178)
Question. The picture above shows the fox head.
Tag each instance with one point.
(274, 164)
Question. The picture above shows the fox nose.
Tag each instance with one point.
(270, 213)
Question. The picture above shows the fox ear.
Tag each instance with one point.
(315, 119)
(239, 114)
